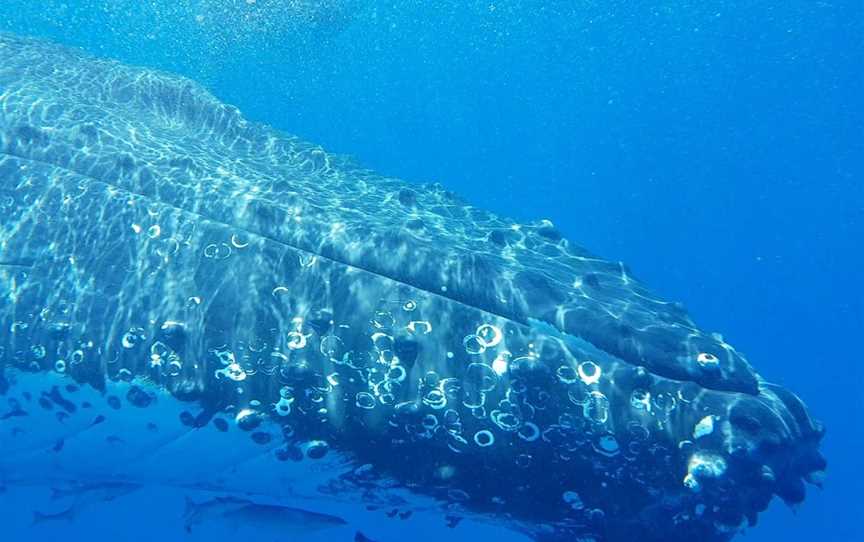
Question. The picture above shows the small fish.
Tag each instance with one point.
(82, 495)
(453, 521)
(93, 493)
(15, 412)
(66, 515)
(237, 512)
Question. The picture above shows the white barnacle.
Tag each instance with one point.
(703, 466)
(501, 363)
(704, 427)
(707, 360)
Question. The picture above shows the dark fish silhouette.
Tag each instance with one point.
(287, 521)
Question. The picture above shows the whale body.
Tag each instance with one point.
(190, 298)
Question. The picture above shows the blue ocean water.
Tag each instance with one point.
(717, 147)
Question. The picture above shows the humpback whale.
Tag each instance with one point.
(193, 299)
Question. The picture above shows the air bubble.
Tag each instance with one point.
(237, 242)
(317, 449)
(529, 432)
(578, 395)
(567, 374)
(225, 357)
(60, 366)
(382, 342)
(504, 420)
(457, 443)
(77, 357)
(488, 335)
(217, 252)
(664, 402)
(296, 340)
(688, 394)
(233, 371)
(132, 337)
(431, 379)
(473, 344)
(573, 499)
(589, 372)
(607, 445)
(168, 247)
(430, 422)
(596, 408)
(248, 419)
(396, 373)
(333, 348)
(420, 326)
(641, 400)
(435, 399)
(637, 431)
(383, 320)
(174, 367)
(484, 438)
(480, 377)
(409, 305)
(158, 352)
(365, 400)
(307, 260)
(450, 387)
(282, 407)
(451, 417)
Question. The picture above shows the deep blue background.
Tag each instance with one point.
(717, 147)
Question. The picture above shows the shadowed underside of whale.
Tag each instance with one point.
(157, 248)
